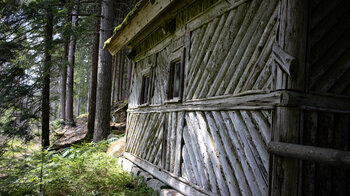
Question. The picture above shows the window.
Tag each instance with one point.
(145, 89)
(175, 82)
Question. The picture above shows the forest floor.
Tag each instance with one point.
(66, 135)
(79, 169)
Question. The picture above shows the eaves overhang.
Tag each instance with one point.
(140, 18)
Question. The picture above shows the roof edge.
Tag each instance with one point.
(136, 21)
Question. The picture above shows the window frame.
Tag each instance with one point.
(145, 99)
(175, 58)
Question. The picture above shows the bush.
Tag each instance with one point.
(79, 170)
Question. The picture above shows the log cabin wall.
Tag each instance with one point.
(329, 71)
(215, 139)
(317, 38)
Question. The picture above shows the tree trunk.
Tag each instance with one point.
(70, 70)
(64, 82)
(104, 77)
(45, 103)
(93, 73)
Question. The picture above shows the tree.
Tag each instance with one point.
(104, 77)
(45, 106)
(70, 69)
(64, 81)
(93, 71)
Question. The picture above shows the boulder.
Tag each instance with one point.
(116, 149)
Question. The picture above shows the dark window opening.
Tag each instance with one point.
(175, 80)
(144, 98)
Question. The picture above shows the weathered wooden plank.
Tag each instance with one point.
(143, 131)
(188, 166)
(135, 133)
(254, 38)
(158, 158)
(218, 55)
(256, 100)
(179, 128)
(330, 42)
(330, 78)
(260, 53)
(149, 135)
(322, 10)
(264, 126)
(231, 154)
(245, 39)
(168, 142)
(241, 156)
(131, 121)
(260, 146)
(265, 75)
(172, 141)
(155, 144)
(232, 40)
(212, 153)
(154, 131)
(308, 167)
(229, 174)
(285, 129)
(319, 30)
(340, 142)
(197, 62)
(192, 135)
(217, 10)
(202, 150)
(202, 73)
(317, 102)
(249, 150)
(158, 144)
(192, 157)
(323, 155)
(325, 134)
(166, 177)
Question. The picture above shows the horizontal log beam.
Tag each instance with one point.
(317, 102)
(310, 153)
(166, 177)
(254, 101)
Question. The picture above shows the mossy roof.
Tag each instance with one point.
(138, 6)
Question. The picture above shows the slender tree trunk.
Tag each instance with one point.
(70, 70)
(93, 73)
(45, 103)
(104, 77)
(77, 113)
(64, 82)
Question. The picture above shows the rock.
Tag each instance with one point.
(116, 149)
(169, 192)
(156, 184)
(125, 164)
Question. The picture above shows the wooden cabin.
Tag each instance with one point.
(240, 97)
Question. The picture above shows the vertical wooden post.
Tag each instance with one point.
(292, 39)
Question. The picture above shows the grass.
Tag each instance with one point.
(79, 170)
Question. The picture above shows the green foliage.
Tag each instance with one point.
(79, 170)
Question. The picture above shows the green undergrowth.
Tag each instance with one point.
(79, 170)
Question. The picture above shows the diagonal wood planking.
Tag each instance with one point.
(237, 43)
(329, 47)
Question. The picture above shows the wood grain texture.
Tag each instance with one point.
(329, 47)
